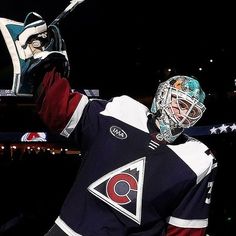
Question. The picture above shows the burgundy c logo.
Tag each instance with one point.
(119, 186)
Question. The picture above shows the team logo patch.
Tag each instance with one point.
(118, 132)
(122, 189)
(34, 137)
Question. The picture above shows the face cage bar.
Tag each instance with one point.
(166, 100)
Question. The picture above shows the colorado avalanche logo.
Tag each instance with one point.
(120, 186)
(34, 137)
(122, 189)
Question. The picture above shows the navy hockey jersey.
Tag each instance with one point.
(128, 183)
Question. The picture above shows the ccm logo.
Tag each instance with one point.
(118, 132)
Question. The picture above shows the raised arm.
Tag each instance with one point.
(46, 77)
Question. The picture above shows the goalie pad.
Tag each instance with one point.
(31, 44)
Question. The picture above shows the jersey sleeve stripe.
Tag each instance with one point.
(75, 117)
(194, 223)
(66, 228)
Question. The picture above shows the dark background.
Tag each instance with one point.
(126, 47)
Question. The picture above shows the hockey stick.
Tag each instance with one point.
(73, 4)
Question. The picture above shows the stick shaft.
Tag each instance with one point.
(73, 4)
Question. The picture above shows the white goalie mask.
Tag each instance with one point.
(178, 104)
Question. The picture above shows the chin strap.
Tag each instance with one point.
(164, 129)
(168, 133)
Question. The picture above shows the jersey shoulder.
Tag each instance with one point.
(128, 110)
(196, 155)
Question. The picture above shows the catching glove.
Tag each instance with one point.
(43, 48)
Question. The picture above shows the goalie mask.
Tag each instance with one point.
(178, 104)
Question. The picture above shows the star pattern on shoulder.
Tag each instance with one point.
(213, 130)
(233, 127)
(223, 128)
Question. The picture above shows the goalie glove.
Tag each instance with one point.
(43, 49)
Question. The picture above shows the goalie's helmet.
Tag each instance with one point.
(178, 104)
